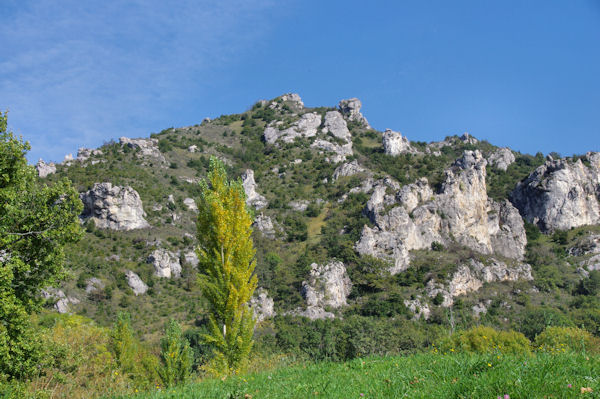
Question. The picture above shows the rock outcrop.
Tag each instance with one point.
(93, 284)
(252, 197)
(262, 305)
(190, 204)
(347, 169)
(114, 207)
(502, 158)
(44, 169)
(293, 98)
(561, 194)
(62, 301)
(418, 307)
(395, 144)
(264, 224)
(327, 285)
(461, 211)
(471, 277)
(166, 263)
(148, 148)
(350, 108)
(191, 258)
(306, 126)
(83, 154)
(299, 205)
(136, 283)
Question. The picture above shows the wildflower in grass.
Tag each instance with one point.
(489, 364)
(569, 386)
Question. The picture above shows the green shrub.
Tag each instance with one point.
(483, 339)
(175, 356)
(563, 339)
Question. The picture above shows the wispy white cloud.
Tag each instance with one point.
(76, 73)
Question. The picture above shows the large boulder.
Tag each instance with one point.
(166, 263)
(264, 224)
(148, 148)
(327, 285)
(262, 305)
(471, 277)
(347, 169)
(306, 126)
(44, 169)
(136, 283)
(395, 144)
(62, 301)
(114, 207)
(252, 197)
(336, 125)
(561, 194)
(350, 108)
(415, 217)
(502, 158)
(83, 154)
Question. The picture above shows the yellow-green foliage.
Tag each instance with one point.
(79, 362)
(226, 264)
(175, 355)
(563, 339)
(483, 339)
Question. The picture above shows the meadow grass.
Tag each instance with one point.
(540, 375)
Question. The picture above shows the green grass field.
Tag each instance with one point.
(419, 376)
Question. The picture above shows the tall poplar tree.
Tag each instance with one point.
(226, 263)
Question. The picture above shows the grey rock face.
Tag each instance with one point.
(327, 285)
(313, 313)
(306, 126)
(395, 144)
(148, 148)
(588, 245)
(191, 258)
(339, 151)
(501, 158)
(83, 154)
(299, 205)
(136, 283)
(560, 194)
(347, 169)
(262, 305)
(166, 263)
(467, 138)
(62, 301)
(336, 125)
(265, 225)
(190, 204)
(93, 284)
(294, 98)
(471, 277)
(114, 207)
(418, 307)
(252, 197)
(461, 210)
(44, 169)
(350, 108)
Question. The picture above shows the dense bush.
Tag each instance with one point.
(562, 339)
(484, 340)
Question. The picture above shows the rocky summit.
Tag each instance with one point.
(349, 221)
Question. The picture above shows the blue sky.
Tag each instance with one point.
(524, 74)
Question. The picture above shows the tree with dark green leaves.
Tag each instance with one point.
(226, 268)
(36, 221)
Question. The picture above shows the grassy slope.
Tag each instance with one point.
(418, 376)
